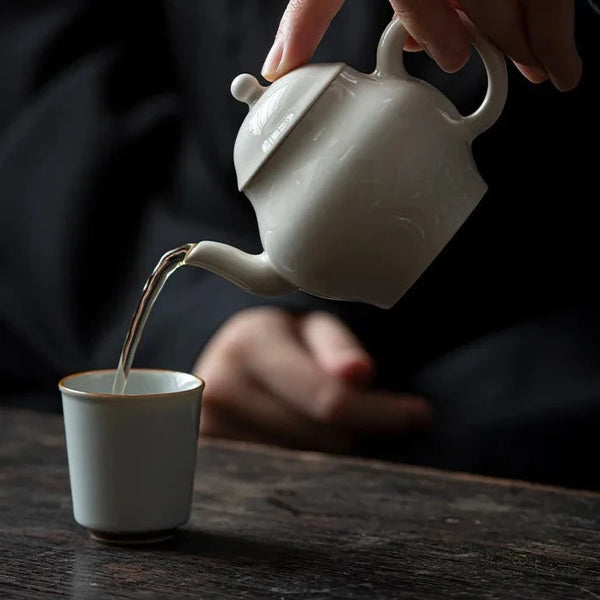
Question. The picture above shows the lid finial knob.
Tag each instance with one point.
(245, 88)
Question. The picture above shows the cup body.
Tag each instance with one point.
(131, 457)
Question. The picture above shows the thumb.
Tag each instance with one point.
(335, 348)
(301, 28)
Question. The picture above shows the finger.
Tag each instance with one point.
(551, 26)
(436, 27)
(335, 348)
(284, 366)
(288, 372)
(235, 406)
(224, 424)
(368, 412)
(411, 46)
(261, 349)
(533, 74)
(503, 22)
(301, 28)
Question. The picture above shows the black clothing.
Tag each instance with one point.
(116, 137)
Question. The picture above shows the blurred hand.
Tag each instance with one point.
(296, 381)
(537, 35)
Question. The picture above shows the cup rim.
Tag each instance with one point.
(63, 386)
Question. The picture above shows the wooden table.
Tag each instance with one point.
(269, 523)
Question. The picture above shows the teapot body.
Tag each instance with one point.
(367, 189)
(358, 180)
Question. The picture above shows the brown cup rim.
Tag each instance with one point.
(63, 387)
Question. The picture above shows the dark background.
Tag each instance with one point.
(116, 139)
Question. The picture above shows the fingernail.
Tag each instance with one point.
(450, 58)
(568, 81)
(566, 73)
(354, 369)
(273, 60)
(537, 75)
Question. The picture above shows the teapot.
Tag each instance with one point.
(357, 180)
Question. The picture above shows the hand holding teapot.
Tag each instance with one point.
(537, 37)
(357, 180)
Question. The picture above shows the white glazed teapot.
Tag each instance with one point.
(357, 180)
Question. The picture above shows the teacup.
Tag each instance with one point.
(132, 457)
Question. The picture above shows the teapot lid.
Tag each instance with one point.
(274, 112)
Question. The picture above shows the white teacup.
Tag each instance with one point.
(132, 457)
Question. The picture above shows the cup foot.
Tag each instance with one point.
(132, 539)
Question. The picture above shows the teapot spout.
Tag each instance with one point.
(252, 272)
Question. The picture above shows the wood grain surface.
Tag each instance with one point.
(271, 523)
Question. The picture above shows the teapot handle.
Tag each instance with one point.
(390, 63)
